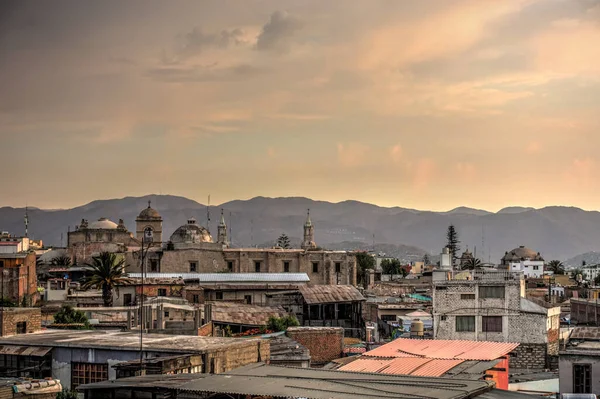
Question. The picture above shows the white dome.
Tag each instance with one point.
(103, 223)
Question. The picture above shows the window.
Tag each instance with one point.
(110, 236)
(1, 263)
(465, 323)
(193, 267)
(257, 266)
(248, 299)
(154, 265)
(491, 292)
(536, 268)
(286, 267)
(162, 292)
(338, 267)
(166, 314)
(230, 266)
(22, 327)
(444, 318)
(441, 288)
(127, 299)
(315, 267)
(388, 317)
(491, 324)
(582, 378)
(467, 296)
(219, 295)
(196, 298)
(148, 234)
(98, 236)
(86, 373)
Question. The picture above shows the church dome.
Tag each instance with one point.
(103, 223)
(191, 233)
(522, 253)
(149, 213)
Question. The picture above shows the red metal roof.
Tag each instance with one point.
(366, 365)
(403, 366)
(444, 349)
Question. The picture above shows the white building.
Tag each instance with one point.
(591, 272)
(524, 260)
(479, 305)
(13, 245)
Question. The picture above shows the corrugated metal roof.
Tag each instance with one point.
(591, 333)
(330, 294)
(436, 367)
(444, 349)
(230, 277)
(416, 366)
(367, 365)
(37, 351)
(405, 366)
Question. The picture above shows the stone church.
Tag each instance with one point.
(191, 249)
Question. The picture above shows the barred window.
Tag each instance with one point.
(491, 292)
(491, 324)
(86, 373)
(465, 323)
(467, 296)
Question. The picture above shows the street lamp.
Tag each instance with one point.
(147, 235)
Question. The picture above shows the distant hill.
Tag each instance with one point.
(556, 232)
(590, 258)
(515, 209)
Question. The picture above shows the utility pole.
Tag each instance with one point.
(208, 214)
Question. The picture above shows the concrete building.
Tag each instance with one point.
(579, 363)
(13, 245)
(18, 277)
(491, 306)
(524, 260)
(78, 357)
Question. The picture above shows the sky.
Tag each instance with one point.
(426, 105)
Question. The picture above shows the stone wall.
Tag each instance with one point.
(529, 356)
(324, 343)
(9, 317)
(237, 356)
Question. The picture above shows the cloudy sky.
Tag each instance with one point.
(423, 104)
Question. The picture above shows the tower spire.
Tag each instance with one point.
(222, 231)
(309, 233)
(149, 202)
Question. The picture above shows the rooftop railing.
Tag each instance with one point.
(476, 275)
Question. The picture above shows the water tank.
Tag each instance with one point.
(416, 329)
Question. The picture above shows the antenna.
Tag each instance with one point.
(482, 241)
(230, 235)
(208, 214)
(373, 242)
(251, 232)
(26, 219)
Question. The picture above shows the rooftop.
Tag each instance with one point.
(118, 340)
(250, 315)
(315, 294)
(230, 277)
(267, 380)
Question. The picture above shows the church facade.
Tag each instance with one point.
(191, 249)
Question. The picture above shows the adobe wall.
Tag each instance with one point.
(324, 343)
(9, 317)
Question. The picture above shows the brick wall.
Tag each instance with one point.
(206, 330)
(324, 343)
(528, 356)
(9, 317)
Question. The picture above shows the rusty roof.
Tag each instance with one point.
(444, 349)
(250, 315)
(417, 366)
(314, 294)
(37, 351)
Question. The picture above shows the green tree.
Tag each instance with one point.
(472, 264)
(452, 242)
(392, 266)
(68, 315)
(426, 259)
(61, 261)
(578, 271)
(7, 303)
(556, 266)
(283, 241)
(365, 262)
(597, 280)
(107, 271)
(282, 323)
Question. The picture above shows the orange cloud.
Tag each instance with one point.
(352, 154)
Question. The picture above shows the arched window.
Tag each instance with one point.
(148, 234)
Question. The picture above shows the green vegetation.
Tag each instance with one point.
(392, 266)
(365, 262)
(61, 261)
(7, 303)
(453, 243)
(282, 323)
(67, 394)
(472, 264)
(556, 266)
(108, 271)
(68, 315)
(283, 241)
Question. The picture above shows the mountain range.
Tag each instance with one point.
(556, 232)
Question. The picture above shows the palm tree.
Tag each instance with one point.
(61, 261)
(472, 264)
(106, 272)
(556, 266)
